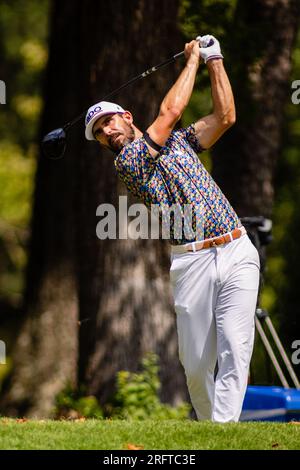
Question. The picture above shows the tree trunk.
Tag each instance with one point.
(94, 307)
(259, 65)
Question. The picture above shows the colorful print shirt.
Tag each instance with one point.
(176, 179)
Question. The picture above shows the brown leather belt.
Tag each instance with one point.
(210, 242)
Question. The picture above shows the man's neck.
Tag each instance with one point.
(137, 133)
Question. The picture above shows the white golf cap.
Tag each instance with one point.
(95, 112)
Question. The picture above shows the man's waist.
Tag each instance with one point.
(210, 242)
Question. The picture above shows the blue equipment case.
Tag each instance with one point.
(270, 403)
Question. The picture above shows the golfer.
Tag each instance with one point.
(214, 266)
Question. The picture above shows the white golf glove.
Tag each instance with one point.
(210, 47)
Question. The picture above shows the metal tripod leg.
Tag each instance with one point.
(282, 352)
(263, 315)
(271, 353)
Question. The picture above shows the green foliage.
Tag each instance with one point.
(23, 48)
(70, 403)
(137, 395)
(23, 36)
(200, 17)
(136, 398)
(16, 182)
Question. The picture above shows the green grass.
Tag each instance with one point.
(111, 435)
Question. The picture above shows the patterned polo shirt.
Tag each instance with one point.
(176, 179)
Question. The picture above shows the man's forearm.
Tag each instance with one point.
(222, 96)
(179, 95)
(177, 98)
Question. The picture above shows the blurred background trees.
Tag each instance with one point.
(85, 309)
(23, 51)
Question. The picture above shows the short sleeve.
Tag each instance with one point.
(134, 165)
(189, 134)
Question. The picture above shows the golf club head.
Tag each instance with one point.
(54, 144)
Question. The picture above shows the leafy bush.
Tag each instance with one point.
(137, 395)
(71, 404)
(136, 398)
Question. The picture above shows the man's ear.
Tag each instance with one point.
(127, 116)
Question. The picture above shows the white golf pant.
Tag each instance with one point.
(215, 294)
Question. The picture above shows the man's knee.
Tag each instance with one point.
(236, 354)
(198, 374)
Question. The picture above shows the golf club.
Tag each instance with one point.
(54, 143)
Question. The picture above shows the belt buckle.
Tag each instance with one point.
(213, 244)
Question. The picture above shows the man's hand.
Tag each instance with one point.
(210, 48)
(192, 52)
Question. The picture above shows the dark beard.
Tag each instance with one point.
(116, 147)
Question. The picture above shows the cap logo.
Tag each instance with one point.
(94, 111)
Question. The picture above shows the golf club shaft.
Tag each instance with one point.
(132, 80)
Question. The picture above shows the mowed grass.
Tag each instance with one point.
(114, 434)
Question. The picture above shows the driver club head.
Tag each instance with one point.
(54, 144)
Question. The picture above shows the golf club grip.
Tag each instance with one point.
(181, 54)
